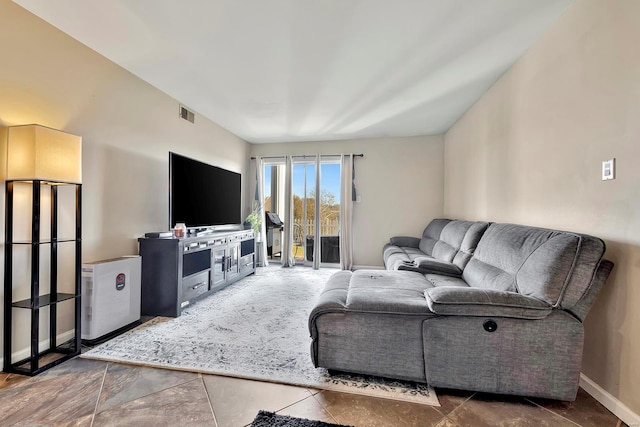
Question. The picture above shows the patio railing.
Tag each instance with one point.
(327, 227)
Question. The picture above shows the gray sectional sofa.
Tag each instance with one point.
(469, 305)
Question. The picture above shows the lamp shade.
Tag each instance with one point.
(35, 152)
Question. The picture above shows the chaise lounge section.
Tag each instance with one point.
(510, 322)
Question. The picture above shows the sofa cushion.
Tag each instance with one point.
(450, 240)
(483, 275)
(431, 235)
(532, 261)
(438, 280)
(469, 244)
(390, 249)
(406, 255)
(387, 292)
(455, 236)
(545, 272)
(452, 301)
(391, 260)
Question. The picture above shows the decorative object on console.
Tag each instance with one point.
(180, 230)
(37, 157)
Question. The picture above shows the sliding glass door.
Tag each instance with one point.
(329, 215)
(303, 177)
(311, 216)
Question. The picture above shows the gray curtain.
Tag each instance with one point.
(346, 211)
(259, 206)
(287, 241)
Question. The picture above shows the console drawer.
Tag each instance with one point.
(195, 285)
(247, 263)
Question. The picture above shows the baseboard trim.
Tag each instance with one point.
(26, 352)
(609, 401)
(367, 267)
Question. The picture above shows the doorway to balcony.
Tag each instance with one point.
(312, 215)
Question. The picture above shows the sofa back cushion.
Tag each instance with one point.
(469, 244)
(431, 235)
(451, 238)
(452, 241)
(535, 262)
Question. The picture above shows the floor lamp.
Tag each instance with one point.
(44, 159)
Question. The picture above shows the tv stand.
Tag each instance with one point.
(177, 272)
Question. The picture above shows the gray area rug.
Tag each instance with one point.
(269, 419)
(254, 329)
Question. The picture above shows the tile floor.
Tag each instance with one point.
(83, 392)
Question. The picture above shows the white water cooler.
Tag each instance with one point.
(110, 296)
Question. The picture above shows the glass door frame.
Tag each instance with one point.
(326, 160)
(312, 179)
(276, 193)
(317, 161)
(305, 161)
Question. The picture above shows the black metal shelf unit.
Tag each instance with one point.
(55, 354)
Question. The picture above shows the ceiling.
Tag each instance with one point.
(303, 70)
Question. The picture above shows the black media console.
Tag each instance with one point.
(176, 272)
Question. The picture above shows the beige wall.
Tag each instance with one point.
(399, 181)
(530, 151)
(128, 128)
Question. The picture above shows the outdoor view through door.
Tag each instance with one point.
(305, 215)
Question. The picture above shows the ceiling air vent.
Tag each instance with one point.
(186, 114)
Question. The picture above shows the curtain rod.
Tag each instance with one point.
(307, 155)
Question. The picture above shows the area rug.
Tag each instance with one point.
(269, 419)
(254, 329)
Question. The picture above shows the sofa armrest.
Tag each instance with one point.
(457, 301)
(436, 266)
(405, 241)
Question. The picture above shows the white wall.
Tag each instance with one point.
(128, 128)
(399, 180)
(530, 151)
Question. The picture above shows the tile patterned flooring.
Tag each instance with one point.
(83, 392)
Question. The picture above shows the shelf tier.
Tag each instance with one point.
(46, 359)
(47, 183)
(44, 300)
(44, 242)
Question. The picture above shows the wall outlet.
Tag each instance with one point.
(609, 169)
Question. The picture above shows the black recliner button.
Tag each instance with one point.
(490, 325)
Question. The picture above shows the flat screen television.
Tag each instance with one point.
(202, 195)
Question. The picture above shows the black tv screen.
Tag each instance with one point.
(202, 195)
